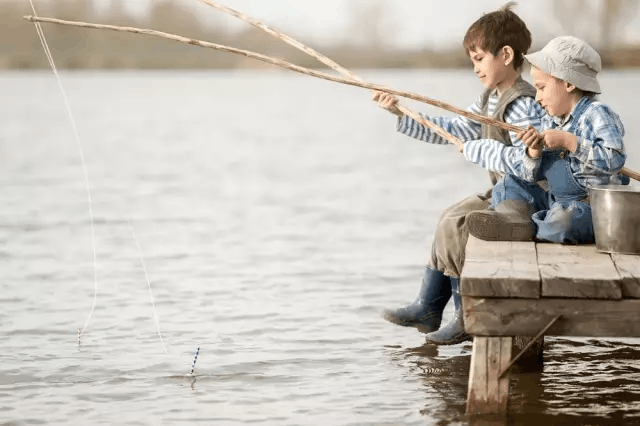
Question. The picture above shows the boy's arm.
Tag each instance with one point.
(600, 147)
(495, 156)
(461, 127)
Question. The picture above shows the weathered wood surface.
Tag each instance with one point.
(526, 317)
(500, 269)
(577, 272)
(628, 267)
(488, 393)
(515, 289)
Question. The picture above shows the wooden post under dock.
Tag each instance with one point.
(514, 289)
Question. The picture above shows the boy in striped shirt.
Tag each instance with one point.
(581, 146)
(496, 44)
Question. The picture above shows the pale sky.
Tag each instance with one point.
(417, 22)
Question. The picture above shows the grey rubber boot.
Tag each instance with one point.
(509, 221)
(453, 332)
(425, 313)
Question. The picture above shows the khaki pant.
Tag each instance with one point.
(450, 240)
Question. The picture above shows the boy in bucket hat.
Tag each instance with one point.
(580, 146)
(496, 44)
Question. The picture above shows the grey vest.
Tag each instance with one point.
(520, 88)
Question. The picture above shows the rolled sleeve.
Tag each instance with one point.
(581, 154)
(530, 167)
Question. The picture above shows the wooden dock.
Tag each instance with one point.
(514, 289)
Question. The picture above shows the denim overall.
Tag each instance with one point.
(562, 215)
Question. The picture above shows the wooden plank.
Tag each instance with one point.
(577, 272)
(499, 358)
(476, 395)
(525, 317)
(628, 267)
(489, 394)
(500, 269)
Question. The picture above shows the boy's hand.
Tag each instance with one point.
(387, 101)
(533, 140)
(555, 139)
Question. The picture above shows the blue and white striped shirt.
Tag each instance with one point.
(496, 156)
(600, 152)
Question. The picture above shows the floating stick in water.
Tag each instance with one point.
(193, 366)
(79, 334)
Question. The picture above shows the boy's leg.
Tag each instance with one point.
(425, 313)
(450, 239)
(447, 258)
(511, 187)
(566, 222)
(453, 332)
(513, 203)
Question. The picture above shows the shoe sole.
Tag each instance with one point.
(491, 228)
(455, 341)
(398, 321)
(420, 326)
(426, 330)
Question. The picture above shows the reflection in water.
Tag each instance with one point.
(587, 382)
(283, 235)
(444, 374)
(594, 378)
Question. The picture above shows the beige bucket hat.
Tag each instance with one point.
(570, 59)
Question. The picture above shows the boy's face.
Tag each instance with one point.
(552, 94)
(490, 69)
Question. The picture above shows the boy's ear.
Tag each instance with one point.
(507, 54)
(570, 87)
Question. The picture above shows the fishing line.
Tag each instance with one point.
(47, 52)
(146, 274)
(49, 56)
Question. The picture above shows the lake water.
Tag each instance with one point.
(276, 215)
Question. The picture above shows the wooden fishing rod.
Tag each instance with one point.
(280, 63)
(318, 74)
(331, 64)
(337, 67)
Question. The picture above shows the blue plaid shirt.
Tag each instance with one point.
(493, 155)
(599, 155)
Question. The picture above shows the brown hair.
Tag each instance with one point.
(497, 29)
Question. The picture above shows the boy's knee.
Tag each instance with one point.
(565, 224)
(512, 188)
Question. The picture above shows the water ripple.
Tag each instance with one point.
(272, 247)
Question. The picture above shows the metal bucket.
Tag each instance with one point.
(616, 218)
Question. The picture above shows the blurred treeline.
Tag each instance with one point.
(89, 48)
(364, 45)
